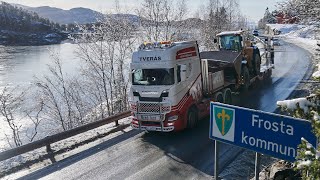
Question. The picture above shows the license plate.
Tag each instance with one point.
(149, 118)
(151, 128)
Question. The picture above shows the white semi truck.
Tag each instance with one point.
(173, 83)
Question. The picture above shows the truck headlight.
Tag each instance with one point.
(173, 118)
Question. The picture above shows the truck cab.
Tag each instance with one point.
(166, 81)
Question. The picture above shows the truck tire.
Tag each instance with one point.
(218, 97)
(246, 78)
(256, 64)
(227, 96)
(192, 117)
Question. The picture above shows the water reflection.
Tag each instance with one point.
(18, 65)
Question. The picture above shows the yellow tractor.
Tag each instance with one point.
(234, 41)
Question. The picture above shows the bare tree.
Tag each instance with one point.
(61, 96)
(151, 16)
(163, 19)
(220, 15)
(105, 49)
(10, 104)
(34, 114)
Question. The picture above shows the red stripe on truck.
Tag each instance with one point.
(186, 52)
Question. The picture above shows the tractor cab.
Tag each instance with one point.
(235, 41)
(231, 40)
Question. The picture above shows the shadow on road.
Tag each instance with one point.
(193, 146)
(82, 155)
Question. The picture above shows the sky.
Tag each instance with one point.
(253, 9)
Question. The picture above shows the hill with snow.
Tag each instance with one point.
(76, 15)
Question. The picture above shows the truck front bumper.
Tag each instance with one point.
(153, 128)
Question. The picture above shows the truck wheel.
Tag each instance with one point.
(257, 64)
(192, 117)
(218, 97)
(246, 78)
(227, 96)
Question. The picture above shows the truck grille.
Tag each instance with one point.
(151, 108)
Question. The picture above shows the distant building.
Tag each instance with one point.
(283, 18)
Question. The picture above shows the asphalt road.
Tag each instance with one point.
(183, 155)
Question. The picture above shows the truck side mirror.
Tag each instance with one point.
(215, 40)
(183, 72)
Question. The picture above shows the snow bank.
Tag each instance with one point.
(295, 30)
(301, 35)
(304, 36)
(285, 28)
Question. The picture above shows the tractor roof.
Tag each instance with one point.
(230, 33)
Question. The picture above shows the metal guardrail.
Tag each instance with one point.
(60, 136)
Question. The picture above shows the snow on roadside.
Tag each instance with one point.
(32, 155)
(303, 36)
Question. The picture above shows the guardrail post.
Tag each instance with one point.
(117, 123)
(50, 153)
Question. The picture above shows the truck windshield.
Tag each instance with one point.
(230, 42)
(153, 76)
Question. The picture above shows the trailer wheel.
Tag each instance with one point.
(218, 97)
(227, 96)
(257, 64)
(192, 117)
(246, 78)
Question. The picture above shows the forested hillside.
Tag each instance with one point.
(18, 26)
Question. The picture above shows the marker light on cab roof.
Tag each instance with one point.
(149, 45)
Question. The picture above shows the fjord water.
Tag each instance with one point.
(19, 65)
